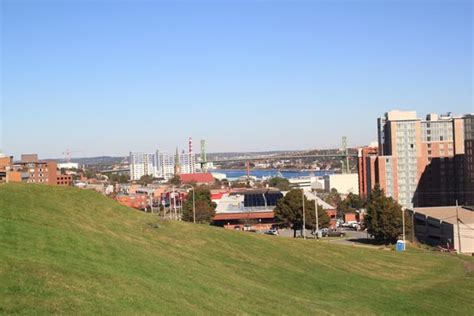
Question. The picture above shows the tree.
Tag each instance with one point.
(175, 180)
(145, 179)
(384, 217)
(122, 178)
(350, 204)
(289, 210)
(323, 218)
(90, 173)
(205, 208)
(333, 197)
(281, 183)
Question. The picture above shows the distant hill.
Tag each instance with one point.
(93, 161)
(65, 250)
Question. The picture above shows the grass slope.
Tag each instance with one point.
(74, 251)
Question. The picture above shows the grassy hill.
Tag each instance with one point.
(67, 250)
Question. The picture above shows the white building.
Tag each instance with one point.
(68, 165)
(307, 183)
(160, 164)
(143, 164)
(343, 183)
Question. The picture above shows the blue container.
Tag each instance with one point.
(400, 245)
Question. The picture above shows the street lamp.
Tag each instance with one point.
(194, 202)
(304, 219)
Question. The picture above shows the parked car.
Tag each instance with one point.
(335, 233)
(273, 232)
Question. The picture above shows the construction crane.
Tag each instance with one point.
(67, 154)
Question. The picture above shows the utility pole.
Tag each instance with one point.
(194, 208)
(403, 223)
(174, 206)
(459, 232)
(304, 219)
(316, 215)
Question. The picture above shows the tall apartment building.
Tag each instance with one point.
(469, 159)
(143, 164)
(420, 162)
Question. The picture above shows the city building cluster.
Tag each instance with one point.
(426, 165)
(165, 165)
(32, 170)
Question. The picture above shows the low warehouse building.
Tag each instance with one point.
(438, 226)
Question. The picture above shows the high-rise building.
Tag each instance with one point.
(469, 159)
(420, 161)
(143, 164)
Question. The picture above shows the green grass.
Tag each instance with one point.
(65, 250)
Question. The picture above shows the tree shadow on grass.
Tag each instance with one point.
(367, 241)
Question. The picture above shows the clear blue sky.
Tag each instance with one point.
(107, 77)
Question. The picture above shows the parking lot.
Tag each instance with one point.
(352, 237)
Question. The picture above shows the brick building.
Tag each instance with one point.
(37, 171)
(32, 170)
(138, 201)
(469, 159)
(419, 162)
(64, 180)
(366, 169)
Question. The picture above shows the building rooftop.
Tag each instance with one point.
(196, 177)
(447, 213)
(312, 196)
(397, 115)
(242, 215)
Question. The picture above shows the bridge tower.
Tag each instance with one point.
(345, 158)
(203, 156)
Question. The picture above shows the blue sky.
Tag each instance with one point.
(107, 77)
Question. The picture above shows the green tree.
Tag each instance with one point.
(350, 204)
(205, 208)
(281, 183)
(90, 173)
(323, 218)
(333, 197)
(175, 180)
(384, 217)
(289, 211)
(145, 179)
(116, 178)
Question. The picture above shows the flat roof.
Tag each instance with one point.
(244, 215)
(447, 213)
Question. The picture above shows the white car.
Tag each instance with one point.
(272, 232)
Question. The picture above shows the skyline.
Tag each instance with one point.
(245, 76)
